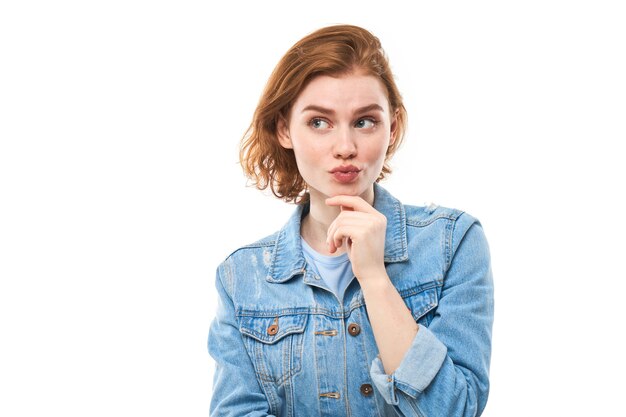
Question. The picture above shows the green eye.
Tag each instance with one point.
(318, 123)
(365, 123)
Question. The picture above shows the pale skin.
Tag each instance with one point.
(340, 121)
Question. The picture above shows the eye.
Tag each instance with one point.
(366, 123)
(318, 123)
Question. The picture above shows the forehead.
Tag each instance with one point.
(343, 92)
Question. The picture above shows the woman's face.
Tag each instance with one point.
(339, 129)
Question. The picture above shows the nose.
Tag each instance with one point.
(345, 145)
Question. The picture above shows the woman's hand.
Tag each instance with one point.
(362, 229)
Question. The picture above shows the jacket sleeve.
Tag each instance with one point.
(236, 391)
(445, 372)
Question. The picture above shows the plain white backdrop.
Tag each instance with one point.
(120, 191)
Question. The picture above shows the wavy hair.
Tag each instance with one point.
(334, 51)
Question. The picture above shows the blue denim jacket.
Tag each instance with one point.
(284, 345)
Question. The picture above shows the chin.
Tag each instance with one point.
(333, 189)
(356, 190)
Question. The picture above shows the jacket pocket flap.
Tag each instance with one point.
(271, 329)
(421, 302)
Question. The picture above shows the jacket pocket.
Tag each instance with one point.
(422, 303)
(275, 344)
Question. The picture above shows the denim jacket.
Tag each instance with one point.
(285, 345)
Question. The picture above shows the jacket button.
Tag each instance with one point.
(354, 329)
(366, 389)
(273, 328)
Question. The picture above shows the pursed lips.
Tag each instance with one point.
(345, 169)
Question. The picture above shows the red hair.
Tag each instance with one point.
(333, 51)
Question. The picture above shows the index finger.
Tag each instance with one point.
(350, 202)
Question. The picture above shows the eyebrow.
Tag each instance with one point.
(320, 109)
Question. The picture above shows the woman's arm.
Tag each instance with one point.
(392, 323)
(445, 369)
(442, 370)
(236, 391)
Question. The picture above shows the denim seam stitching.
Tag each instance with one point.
(329, 313)
(317, 376)
(415, 408)
(430, 220)
(258, 336)
(404, 387)
(345, 368)
(367, 365)
(449, 236)
(292, 369)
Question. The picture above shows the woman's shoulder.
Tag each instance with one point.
(249, 261)
(428, 215)
(451, 223)
(259, 246)
(421, 216)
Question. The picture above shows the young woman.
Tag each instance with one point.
(360, 305)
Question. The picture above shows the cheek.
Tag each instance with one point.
(377, 150)
(308, 149)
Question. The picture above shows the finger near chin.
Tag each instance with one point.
(346, 202)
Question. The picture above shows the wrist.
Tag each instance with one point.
(375, 282)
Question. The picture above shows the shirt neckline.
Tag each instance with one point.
(324, 259)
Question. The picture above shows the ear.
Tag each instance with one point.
(394, 128)
(282, 131)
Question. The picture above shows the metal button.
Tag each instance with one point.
(367, 390)
(354, 329)
(273, 328)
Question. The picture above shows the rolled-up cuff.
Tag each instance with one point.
(416, 371)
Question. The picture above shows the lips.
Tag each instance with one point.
(344, 169)
(345, 174)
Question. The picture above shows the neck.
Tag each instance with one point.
(314, 227)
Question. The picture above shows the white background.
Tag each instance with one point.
(120, 191)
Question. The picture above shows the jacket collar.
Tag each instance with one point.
(287, 259)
